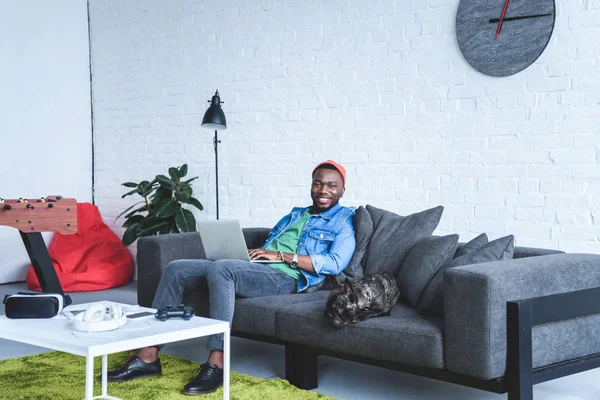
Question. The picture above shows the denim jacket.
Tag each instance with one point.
(328, 238)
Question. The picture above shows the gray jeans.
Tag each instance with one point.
(225, 279)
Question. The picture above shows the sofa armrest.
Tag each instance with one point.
(153, 255)
(155, 252)
(475, 298)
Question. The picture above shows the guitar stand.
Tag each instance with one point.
(47, 214)
(42, 264)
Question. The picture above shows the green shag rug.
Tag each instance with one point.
(61, 376)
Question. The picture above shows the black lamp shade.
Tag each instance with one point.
(214, 117)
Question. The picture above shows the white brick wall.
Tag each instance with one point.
(380, 86)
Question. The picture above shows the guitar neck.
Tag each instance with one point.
(49, 214)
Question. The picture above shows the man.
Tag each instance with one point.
(305, 246)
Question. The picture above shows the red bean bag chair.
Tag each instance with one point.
(92, 259)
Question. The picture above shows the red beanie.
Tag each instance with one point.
(334, 164)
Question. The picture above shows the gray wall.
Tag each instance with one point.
(45, 125)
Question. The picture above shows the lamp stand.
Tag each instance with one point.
(216, 144)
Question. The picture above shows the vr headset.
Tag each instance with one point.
(34, 305)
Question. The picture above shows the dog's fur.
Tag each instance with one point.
(359, 300)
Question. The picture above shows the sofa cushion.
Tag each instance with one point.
(257, 314)
(363, 230)
(473, 244)
(255, 237)
(422, 263)
(432, 302)
(522, 252)
(404, 337)
(394, 236)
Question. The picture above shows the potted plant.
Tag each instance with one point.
(161, 210)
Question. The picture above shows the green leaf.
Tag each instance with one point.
(152, 182)
(184, 194)
(149, 228)
(165, 182)
(162, 193)
(147, 190)
(183, 170)
(137, 210)
(129, 208)
(164, 208)
(167, 228)
(130, 184)
(174, 173)
(188, 181)
(134, 191)
(194, 201)
(130, 235)
(132, 220)
(185, 220)
(148, 220)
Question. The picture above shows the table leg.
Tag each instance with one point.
(226, 365)
(104, 372)
(89, 378)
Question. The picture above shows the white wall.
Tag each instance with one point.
(379, 86)
(45, 125)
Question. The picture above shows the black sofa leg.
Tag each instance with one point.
(301, 367)
(519, 351)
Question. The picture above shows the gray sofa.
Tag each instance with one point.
(550, 329)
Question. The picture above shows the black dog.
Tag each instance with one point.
(368, 297)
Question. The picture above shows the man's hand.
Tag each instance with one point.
(263, 253)
(304, 262)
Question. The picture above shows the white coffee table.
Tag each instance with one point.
(57, 334)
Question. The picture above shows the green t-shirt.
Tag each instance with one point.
(287, 242)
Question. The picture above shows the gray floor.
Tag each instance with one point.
(337, 378)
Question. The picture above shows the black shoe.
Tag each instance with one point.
(208, 380)
(134, 368)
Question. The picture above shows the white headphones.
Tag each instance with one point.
(99, 318)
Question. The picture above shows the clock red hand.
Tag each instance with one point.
(502, 18)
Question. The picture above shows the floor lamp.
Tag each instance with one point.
(214, 118)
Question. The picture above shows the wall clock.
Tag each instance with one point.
(503, 37)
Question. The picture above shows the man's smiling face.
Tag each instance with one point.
(326, 190)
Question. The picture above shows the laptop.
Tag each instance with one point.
(224, 239)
